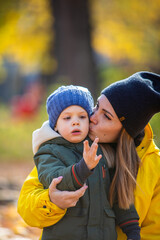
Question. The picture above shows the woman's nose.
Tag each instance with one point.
(93, 118)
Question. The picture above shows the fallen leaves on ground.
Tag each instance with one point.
(12, 225)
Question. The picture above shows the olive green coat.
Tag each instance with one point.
(92, 218)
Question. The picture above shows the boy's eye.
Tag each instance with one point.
(83, 116)
(66, 118)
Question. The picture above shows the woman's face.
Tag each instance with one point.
(104, 122)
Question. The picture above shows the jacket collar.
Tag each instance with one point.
(147, 145)
(42, 135)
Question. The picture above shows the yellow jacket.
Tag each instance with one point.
(147, 195)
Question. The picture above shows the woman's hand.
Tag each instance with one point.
(64, 199)
(90, 154)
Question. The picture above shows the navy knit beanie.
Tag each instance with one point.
(66, 96)
(135, 100)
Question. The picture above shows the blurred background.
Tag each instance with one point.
(44, 44)
(47, 43)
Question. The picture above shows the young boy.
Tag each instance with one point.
(69, 109)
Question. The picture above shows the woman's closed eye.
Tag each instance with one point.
(107, 116)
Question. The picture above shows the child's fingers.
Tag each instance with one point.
(94, 150)
(86, 146)
(98, 158)
(95, 143)
(96, 140)
(94, 146)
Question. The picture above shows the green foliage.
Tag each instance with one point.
(110, 74)
(16, 134)
(155, 123)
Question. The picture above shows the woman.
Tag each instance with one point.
(120, 118)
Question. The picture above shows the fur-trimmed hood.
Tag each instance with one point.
(42, 135)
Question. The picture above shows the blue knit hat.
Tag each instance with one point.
(135, 100)
(66, 96)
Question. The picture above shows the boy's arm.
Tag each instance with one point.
(128, 221)
(51, 164)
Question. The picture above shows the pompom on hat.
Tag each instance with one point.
(66, 96)
(135, 100)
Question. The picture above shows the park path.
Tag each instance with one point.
(12, 225)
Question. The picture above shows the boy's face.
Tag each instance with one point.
(73, 124)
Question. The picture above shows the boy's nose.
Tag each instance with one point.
(75, 123)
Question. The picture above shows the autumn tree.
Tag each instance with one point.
(72, 47)
(127, 32)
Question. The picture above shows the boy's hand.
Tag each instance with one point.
(89, 154)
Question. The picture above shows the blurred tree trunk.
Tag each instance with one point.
(72, 47)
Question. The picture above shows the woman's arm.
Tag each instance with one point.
(150, 228)
(34, 203)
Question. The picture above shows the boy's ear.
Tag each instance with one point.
(55, 128)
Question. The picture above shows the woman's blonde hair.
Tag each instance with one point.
(126, 162)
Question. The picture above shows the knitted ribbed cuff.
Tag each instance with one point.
(132, 231)
(82, 170)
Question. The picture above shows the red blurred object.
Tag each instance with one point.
(28, 104)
